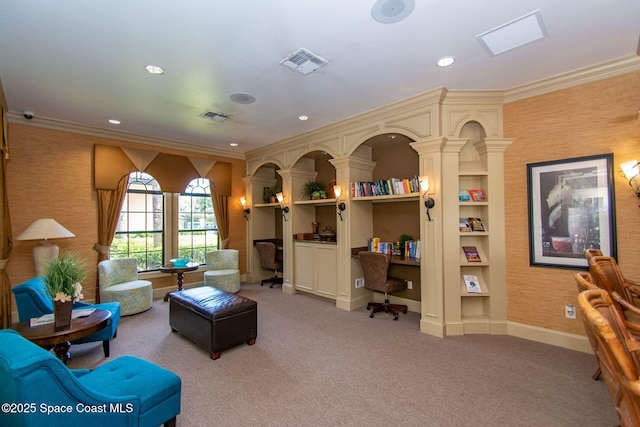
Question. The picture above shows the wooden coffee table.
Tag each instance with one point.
(46, 336)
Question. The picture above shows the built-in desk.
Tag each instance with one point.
(393, 259)
(404, 268)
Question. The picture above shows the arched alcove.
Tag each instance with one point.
(474, 132)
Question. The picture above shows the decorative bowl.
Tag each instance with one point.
(561, 244)
(180, 262)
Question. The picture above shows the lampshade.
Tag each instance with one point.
(45, 229)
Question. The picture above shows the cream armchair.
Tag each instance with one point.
(119, 282)
(222, 270)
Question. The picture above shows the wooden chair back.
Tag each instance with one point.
(616, 350)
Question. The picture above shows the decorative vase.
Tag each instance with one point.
(62, 315)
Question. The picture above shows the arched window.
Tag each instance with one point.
(197, 227)
(140, 232)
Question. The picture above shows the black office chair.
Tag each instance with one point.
(375, 267)
(267, 251)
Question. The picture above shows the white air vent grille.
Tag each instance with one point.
(212, 115)
(303, 61)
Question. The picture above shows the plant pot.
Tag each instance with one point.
(62, 315)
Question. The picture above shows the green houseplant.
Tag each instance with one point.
(62, 279)
(269, 193)
(314, 189)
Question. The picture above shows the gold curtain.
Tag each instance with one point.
(109, 207)
(5, 230)
(221, 211)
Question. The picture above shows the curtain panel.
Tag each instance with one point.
(5, 229)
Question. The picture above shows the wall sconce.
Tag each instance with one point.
(247, 211)
(340, 206)
(632, 173)
(428, 201)
(285, 209)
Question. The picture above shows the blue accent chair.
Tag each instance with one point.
(126, 391)
(33, 300)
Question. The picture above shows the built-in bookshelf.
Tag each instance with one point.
(385, 187)
(479, 192)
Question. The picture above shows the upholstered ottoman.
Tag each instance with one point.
(215, 320)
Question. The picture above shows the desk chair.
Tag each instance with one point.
(267, 251)
(375, 267)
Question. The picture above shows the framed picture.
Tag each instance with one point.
(571, 208)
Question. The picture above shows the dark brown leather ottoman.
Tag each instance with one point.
(213, 319)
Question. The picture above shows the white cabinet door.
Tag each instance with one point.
(327, 278)
(304, 266)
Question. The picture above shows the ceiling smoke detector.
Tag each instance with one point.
(303, 61)
(212, 115)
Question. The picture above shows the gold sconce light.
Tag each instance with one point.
(340, 206)
(285, 209)
(429, 203)
(632, 173)
(247, 211)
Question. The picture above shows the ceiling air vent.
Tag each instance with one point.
(212, 115)
(303, 61)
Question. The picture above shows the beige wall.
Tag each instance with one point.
(50, 174)
(591, 119)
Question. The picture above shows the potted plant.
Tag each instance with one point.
(404, 238)
(269, 193)
(62, 280)
(314, 189)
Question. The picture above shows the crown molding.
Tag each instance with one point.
(13, 117)
(605, 70)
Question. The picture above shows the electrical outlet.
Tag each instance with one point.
(360, 282)
(570, 311)
(409, 284)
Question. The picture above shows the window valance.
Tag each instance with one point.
(172, 172)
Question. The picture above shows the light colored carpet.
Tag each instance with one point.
(316, 365)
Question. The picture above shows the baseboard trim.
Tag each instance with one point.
(548, 336)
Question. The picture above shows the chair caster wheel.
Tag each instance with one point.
(371, 315)
(368, 308)
(404, 311)
(395, 318)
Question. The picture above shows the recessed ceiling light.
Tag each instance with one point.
(234, 144)
(303, 118)
(114, 121)
(445, 61)
(243, 98)
(154, 69)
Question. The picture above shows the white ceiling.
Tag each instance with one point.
(83, 61)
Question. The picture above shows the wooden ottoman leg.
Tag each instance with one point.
(216, 356)
(251, 341)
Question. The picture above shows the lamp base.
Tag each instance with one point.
(42, 253)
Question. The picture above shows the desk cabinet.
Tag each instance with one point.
(315, 268)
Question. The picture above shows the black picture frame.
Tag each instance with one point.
(571, 208)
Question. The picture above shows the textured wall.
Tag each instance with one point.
(50, 175)
(591, 119)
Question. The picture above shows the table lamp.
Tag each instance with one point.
(44, 229)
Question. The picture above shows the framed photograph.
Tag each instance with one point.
(571, 208)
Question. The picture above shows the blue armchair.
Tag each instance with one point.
(33, 300)
(126, 391)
